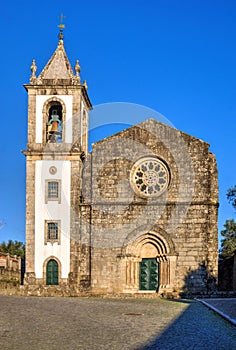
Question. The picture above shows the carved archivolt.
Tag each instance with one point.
(163, 245)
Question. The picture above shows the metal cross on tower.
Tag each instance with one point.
(61, 26)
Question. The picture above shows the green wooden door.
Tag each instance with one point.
(52, 273)
(148, 274)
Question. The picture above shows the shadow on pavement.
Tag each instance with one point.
(196, 328)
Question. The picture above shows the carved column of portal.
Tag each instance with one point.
(132, 278)
(164, 271)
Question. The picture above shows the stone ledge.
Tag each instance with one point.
(77, 291)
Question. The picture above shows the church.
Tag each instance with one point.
(137, 214)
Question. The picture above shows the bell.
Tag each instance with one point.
(54, 121)
(54, 126)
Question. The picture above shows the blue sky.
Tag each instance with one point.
(175, 57)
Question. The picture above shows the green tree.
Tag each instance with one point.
(228, 243)
(13, 248)
(231, 196)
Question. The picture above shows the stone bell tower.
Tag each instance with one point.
(58, 110)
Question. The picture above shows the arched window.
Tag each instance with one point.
(52, 272)
(54, 127)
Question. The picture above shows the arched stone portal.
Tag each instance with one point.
(155, 253)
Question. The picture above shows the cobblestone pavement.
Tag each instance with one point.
(33, 323)
(226, 307)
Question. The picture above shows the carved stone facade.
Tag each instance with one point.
(137, 214)
(176, 224)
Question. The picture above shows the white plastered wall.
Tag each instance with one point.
(52, 211)
(40, 100)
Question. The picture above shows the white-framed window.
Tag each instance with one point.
(52, 231)
(53, 190)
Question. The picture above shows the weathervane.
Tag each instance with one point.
(61, 26)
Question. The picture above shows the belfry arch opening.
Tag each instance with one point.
(54, 125)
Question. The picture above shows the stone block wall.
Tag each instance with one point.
(181, 222)
(10, 268)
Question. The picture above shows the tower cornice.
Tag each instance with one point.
(30, 87)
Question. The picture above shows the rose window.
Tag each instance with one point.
(149, 177)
